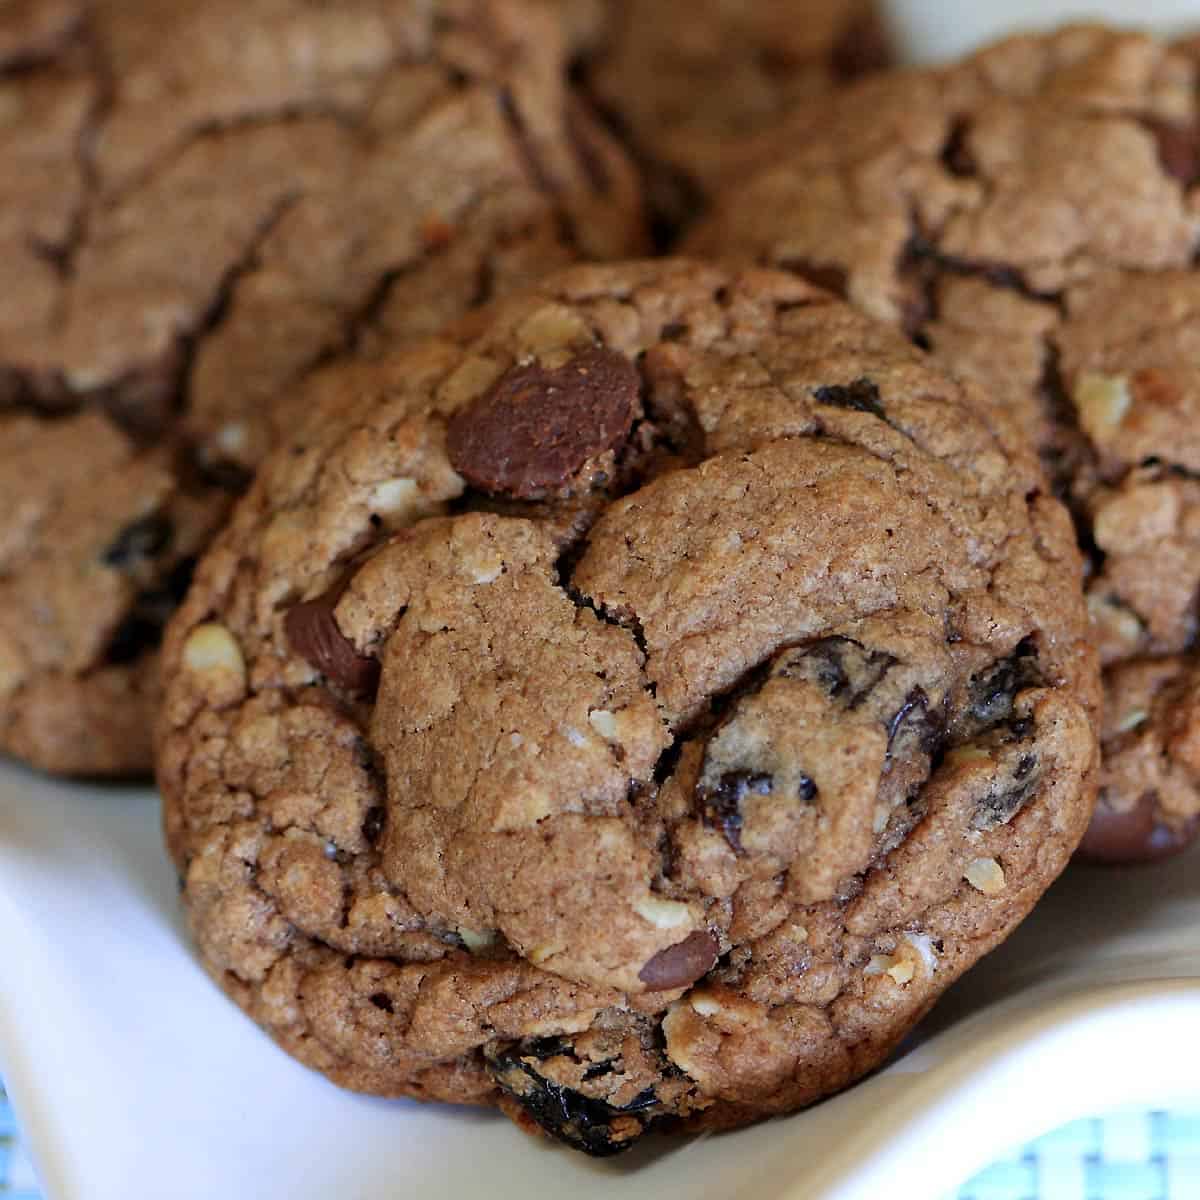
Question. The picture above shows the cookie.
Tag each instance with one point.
(1031, 215)
(631, 708)
(687, 92)
(206, 202)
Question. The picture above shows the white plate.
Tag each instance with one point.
(133, 1075)
(934, 30)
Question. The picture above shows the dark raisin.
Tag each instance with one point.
(999, 807)
(144, 539)
(861, 396)
(582, 1122)
(956, 156)
(372, 825)
(993, 691)
(132, 638)
(382, 1001)
(721, 805)
(227, 476)
(915, 707)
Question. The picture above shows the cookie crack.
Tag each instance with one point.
(535, 165)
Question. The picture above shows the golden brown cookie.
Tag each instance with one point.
(1032, 216)
(631, 708)
(202, 203)
(686, 90)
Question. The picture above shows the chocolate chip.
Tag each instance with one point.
(1133, 836)
(1178, 149)
(533, 429)
(313, 633)
(143, 539)
(582, 1122)
(681, 964)
(382, 1001)
(861, 396)
(721, 805)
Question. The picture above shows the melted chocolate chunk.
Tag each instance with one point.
(583, 1122)
(1134, 836)
(861, 396)
(145, 538)
(721, 806)
(313, 633)
(681, 964)
(534, 429)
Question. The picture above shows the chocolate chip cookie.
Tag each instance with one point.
(687, 90)
(1032, 215)
(632, 708)
(203, 203)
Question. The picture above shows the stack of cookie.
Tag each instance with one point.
(627, 691)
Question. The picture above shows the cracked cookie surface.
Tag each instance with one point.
(685, 93)
(659, 768)
(202, 205)
(1032, 216)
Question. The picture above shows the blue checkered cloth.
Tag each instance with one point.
(1123, 1156)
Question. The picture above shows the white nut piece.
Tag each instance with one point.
(552, 328)
(663, 914)
(604, 723)
(913, 951)
(985, 875)
(1102, 402)
(1114, 620)
(900, 968)
(486, 568)
(476, 940)
(540, 954)
(213, 657)
(704, 1003)
(922, 943)
(396, 501)
(210, 648)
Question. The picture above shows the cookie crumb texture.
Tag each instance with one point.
(1032, 216)
(668, 790)
(205, 203)
(686, 93)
